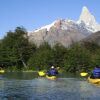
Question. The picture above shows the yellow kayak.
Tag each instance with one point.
(2, 71)
(51, 77)
(94, 81)
(83, 74)
(41, 73)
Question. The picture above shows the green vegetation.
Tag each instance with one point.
(16, 53)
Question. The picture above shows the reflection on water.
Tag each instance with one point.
(44, 89)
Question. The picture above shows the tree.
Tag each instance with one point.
(58, 55)
(16, 48)
(42, 58)
(76, 57)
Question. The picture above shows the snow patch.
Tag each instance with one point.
(46, 27)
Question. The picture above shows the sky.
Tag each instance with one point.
(32, 14)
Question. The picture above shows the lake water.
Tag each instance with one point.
(27, 86)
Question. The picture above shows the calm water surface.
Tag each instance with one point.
(27, 86)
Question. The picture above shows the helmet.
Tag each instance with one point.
(52, 67)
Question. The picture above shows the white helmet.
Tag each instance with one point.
(52, 67)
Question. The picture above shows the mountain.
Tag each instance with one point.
(89, 20)
(93, 38)
(65, 32)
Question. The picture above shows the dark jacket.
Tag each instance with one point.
(52, 72)
(96, 73)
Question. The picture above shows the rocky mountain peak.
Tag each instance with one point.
(87, 17)
(85, 10)
(89, 20)
(57, 23)
(66, 32)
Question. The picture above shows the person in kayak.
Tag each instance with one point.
(52, 71)
(96, 73)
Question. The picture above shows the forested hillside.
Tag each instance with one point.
(16, 53)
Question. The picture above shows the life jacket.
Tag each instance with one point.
(52, 72)
(96, 73)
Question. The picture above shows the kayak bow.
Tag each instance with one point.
(2, 71)
(41, 73)
(83, 74)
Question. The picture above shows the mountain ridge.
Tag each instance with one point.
(65, 32)
(93, 38)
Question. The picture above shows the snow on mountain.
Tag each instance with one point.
(86, 18)
(89, 20)
(66, 32)
(45, 27)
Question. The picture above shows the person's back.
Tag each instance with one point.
(52, 72)
(96, 72)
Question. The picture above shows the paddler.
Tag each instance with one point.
(96, 72)
(52, 72)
